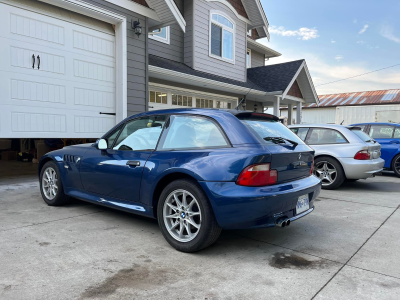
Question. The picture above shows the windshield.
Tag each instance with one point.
(361, 134)
(267, 129)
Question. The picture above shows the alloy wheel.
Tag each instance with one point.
(397, 165)
(326, 172)
(182, 215)
(50, 183)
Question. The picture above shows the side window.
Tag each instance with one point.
(397, 133)
(321, 136)
(303, 133)
(188, 132)
(112, 136)
(381, 132)
(141, 134)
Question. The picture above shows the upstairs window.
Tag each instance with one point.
(161, 35)
(222, 37)
(248, 58)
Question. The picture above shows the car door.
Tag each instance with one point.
(384, 135)
(117, 171)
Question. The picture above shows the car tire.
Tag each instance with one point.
(396, 165)
(324, 165)
(178, 221)
(51, 186)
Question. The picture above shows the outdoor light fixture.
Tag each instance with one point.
(136, 27)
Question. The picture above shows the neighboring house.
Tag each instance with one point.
(73, 68)
(350, 108)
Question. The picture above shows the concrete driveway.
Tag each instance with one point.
(347, 249)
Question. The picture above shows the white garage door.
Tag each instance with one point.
(57, 73)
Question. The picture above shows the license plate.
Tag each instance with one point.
(303, 204)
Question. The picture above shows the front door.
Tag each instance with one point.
(383, 134)
(117, 171)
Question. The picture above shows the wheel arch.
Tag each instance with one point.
(163, 182)
(394, 156)
(42, 162)
(334, 158)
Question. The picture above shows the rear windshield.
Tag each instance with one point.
(265, 128)
(361, 134)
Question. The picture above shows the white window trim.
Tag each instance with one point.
(248, 63)
(211, 21)
(161, 39)
(120, 22)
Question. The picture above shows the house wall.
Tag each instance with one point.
(175, 49)
(188, 14)
(136, 58)
(314, 116)
(202, 60)
(257, 59)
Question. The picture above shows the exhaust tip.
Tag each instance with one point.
(288, 222)
(282, 222)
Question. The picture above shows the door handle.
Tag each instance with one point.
(38, 57)
(33, 64)
(133, 163)
(394, 142)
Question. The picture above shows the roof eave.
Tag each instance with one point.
(268, 52)
(168, 13)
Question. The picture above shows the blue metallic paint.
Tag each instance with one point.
(390, 147)
(103, 177)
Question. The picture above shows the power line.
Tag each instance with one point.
(359, 75)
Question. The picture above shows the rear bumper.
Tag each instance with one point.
(239, 207)
(361, 169)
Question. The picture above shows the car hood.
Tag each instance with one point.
(87, 145)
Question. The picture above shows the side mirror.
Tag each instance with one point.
(102, 144)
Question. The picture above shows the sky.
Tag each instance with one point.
(338, 39)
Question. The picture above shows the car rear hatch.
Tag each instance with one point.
(373, 148)
(291, 158)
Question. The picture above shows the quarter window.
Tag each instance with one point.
(321, 136)
(301, 132)
(111, 138)
(397, 133)
(381, 132)
(222, 36)
(141, 134)
(193, 132)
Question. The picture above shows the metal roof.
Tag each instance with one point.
(359, 98)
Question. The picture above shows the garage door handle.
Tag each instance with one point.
(110, 114)
(33, 57)
(38, 57)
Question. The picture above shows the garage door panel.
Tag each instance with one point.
(74, 84)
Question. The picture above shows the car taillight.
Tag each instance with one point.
(312, 167)
(362, 155)
(257, 175)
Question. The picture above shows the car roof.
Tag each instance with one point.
(378, 123)
(331, 126)
(206, 112)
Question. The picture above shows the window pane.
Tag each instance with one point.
(211, 104)
(320, 136)
(197, 102)
(218, 104)
(302, 133)
(180, 100)
(163, 33)
(270, 128)
(158, 97)
(216, 38)
(190, 101)
(227, 47)
(174, 100)
(381, 132)
(202, 103)
(141, 134)
(248, 58)
(185, 101)
(229, 105)
(397, 133)
(152, 97)
(164, 99)
(193, 132)
(222, 20)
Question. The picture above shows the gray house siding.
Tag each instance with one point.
(188, 13)
(136, 58)
(173, 50)
(203, 62)
(257, 59)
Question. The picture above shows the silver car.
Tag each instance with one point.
(341, 153)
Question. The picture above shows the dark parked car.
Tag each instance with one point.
(388, 135)
(196, 170)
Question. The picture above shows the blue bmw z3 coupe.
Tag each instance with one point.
(197, 171)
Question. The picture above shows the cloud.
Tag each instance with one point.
(332, 41)
(387, 32)
(364, 29)
(338, 57)
(324, 72)
(303, 33)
